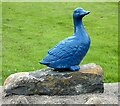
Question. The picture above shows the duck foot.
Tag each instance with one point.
(75, 68)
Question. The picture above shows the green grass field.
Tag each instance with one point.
(30, 29)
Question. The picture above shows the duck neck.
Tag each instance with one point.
(78, 25)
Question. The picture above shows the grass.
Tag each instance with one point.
(30, 29)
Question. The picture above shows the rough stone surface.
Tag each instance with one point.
(95, 100)
(19, 100)
(110, 96)
(49, 82)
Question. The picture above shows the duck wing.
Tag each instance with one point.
(62, 50)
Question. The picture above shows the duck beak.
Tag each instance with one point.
(87, 12)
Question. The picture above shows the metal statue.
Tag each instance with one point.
(68, 53)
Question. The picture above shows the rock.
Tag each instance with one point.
(19, 100)
(106, 97)
(89, 79)
(94, 100)
(1, 92)
(102, 99)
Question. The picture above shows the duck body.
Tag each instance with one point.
(69, 52)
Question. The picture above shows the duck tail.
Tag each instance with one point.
(43, 62)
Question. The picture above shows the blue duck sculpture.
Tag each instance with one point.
(68, 53)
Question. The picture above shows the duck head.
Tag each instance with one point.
(79, 13)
